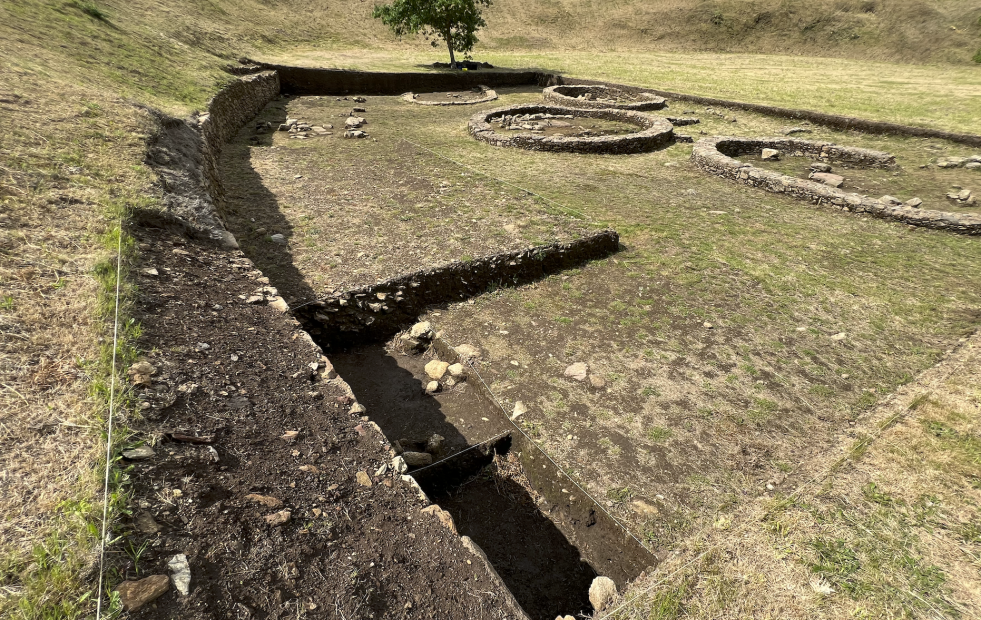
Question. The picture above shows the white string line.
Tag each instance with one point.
(112, 403)
(502, 181)
(556, 465)
(452, 456)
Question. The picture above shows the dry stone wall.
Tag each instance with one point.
(585, 97)
(716, 155)
(656, 132)
(489, 95)
(378, 311)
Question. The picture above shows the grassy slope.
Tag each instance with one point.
(71, 160)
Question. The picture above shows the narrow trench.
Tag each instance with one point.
(484, 487)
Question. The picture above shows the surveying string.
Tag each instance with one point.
(453, 456)
(112, 410)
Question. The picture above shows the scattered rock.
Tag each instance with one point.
(820, 167)
(891, 200)
(360, 100)
(434, 445)
(417, 459)
(468, 351)
(444, 517)
(289, 436)
(436, 369)
(794, 130)
(832, 180)
(597, 382)
(181, 575)
(381, 470)
(602, 592)
(914, 203)
(279, 304)
(519, 410)
(278, 238)
(422, 330)
(457, 371)
(839, 336)
(278, 518)
(363, 479)
(357, 409)
(136, 594)
(355, 134)
(399, 465)
(138, 454)
(150, 272)
(146, 524)
(141, 372)
(432, 387)
(578, 371)
(266, 500)
(770, 154)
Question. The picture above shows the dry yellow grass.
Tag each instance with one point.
(885, 526)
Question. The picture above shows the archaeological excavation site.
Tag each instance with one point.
(418, 383)
(632, 311)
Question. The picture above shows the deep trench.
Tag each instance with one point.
(547, 574)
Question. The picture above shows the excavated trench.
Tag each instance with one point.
(546, 553)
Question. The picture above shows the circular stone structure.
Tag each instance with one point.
(596, 97)
(717, 155)
(654, 131)
(486, 95)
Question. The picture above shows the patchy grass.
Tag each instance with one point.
(891, 532)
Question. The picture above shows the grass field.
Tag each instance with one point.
(74, 80)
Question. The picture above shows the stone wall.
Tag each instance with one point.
(835, 121)
(716, 156)
(568, 96)
(381, 310)
(489, 95)
(309, 81)
(185, 153)
(656, 132)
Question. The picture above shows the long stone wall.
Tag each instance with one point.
(569, 96)
(185, 153)
(378, 311)
(309, 81)
(656, 132)
(835, 121)
(716, 155)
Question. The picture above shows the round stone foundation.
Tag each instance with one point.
(599, 97)
(487, 95)
(717, 155)
(654, 132)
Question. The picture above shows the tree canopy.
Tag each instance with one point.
(454, 21)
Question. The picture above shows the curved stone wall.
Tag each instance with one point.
(569, 96)
(489, 95)
(716, 155)
(656, 132)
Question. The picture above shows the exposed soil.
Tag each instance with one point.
(352, 212)
(348, 550)
(930, 184)
(569, 126)
(491, 502)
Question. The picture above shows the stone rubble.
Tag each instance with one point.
(602, 593)
(136, 594)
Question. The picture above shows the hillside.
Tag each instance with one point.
(898, 30)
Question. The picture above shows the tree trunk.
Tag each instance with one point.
(449, 45)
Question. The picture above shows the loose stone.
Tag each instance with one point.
(363, 479)
(444, 517)
(181, 575)
(519, 410)
(417, 459)
(138, 454)
(136, 594)
(266, 500)
(832, 180)
(436, 369)
(278, 518)
(578, 371)
(770, 154)
(602, 592)
(597, 382)
(457, 371)
(468, 351)
(432, 387)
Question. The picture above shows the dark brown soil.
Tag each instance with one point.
(348, 550)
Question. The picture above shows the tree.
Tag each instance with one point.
(453, 21)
